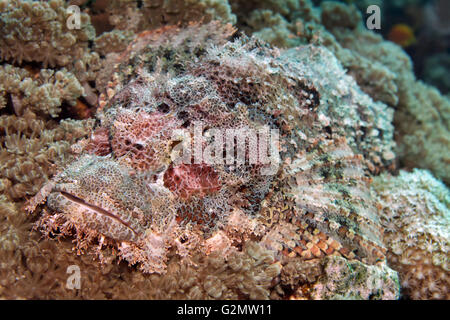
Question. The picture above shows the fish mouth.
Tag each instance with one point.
(96, 209)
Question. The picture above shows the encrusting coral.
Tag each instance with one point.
(415, 213)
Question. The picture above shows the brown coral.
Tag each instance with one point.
(31, 150)
(43, 92)
(415, 214)
(43, 35)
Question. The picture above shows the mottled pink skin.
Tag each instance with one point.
(192, 179)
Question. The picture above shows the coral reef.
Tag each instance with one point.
(416, 217)
(436, 70)
(126, 18)
(43, 273)
(382, 70)
(123, 195)
(41, 92)
(31, 150)
(425, 130)
(242, 275)
(43, 35)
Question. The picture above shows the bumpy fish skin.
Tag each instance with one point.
(127, 187)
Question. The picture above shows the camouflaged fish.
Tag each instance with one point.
(128, 189)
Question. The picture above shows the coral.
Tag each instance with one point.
(43, 92)
(297, 277)
(167, 13)
(37, 269)
(420, 118)
(127, 18)
(436, 71)
(37, 31)
(375, 77)
(113, 41)
(381, 68)
(424, 127)
(31, 150)
(336, 15)
(329, 25)
(2, 96)
(87, 68)
(415, 214)
(246, 275)
(277, 22)
(344, 280)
